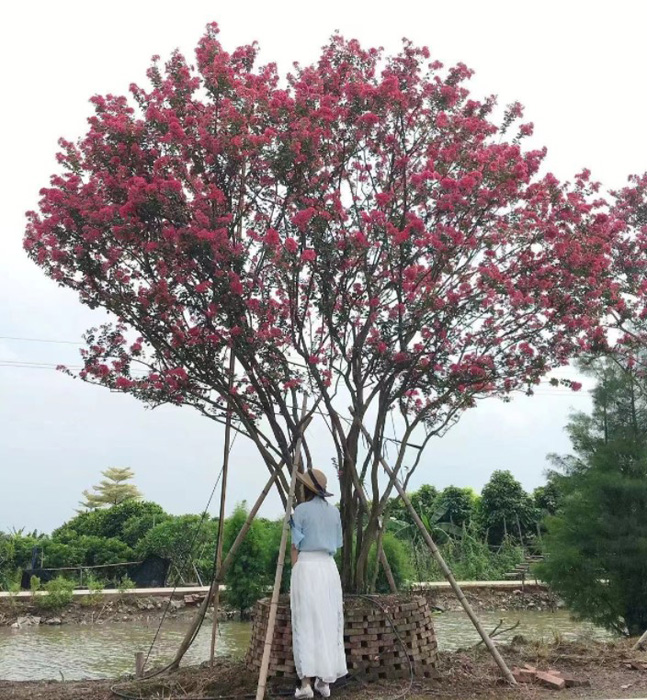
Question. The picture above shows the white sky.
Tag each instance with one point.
(578, 67)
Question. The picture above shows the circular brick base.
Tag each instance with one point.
(373, 649)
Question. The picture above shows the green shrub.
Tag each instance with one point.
(34, 586)
(469, 557)
(125, 584)
(95, 587)
(59, 594)
(14, 589)
(399, 558)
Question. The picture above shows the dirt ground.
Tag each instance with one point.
(126, 609)
(529, 597)
(461, 675)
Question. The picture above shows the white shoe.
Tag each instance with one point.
(305, 692)
(322, 688)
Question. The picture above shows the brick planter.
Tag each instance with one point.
(372, 647)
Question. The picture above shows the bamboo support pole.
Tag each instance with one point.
(638, 645)
(381, 554)
(221, 516)
(236, 236)
(221, 573)
(444, 568)
(271, 621)
(221, 521)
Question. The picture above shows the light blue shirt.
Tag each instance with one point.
(316, 527)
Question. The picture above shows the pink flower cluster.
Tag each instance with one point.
(367, 223)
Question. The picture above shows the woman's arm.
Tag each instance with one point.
(294, 555)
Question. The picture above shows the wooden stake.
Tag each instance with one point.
(139, 664)
(444, 568)
(271, 621)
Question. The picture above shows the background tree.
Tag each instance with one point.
(367, 233)
(248, 577)
(186, 540)
(112, 490)
(505, 509)
(459, 505)
(596, 545)
(128, 521)
(546, 498)
(423, 500)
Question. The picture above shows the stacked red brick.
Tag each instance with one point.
(281, 660)
(373, 649)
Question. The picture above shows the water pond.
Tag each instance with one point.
(103, 651)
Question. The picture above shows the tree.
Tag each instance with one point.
(506, 510)
(423, 500)
(546, 498)
(129, 521)
(112, 490)
(596, 545)
(247, 578)
(185, 540)
(366, 234)
(458, 504)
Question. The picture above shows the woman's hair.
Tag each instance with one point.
(308, 494)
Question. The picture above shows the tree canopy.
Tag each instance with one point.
(112, 490)
(366, 232)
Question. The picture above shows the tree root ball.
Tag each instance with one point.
(386, 637)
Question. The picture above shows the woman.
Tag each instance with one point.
(315, 590)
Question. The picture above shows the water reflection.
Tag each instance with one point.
(454, 629)
(104, 651)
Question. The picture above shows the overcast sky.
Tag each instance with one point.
(578, 67)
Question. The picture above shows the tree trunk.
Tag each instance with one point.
(348, 508)
(361, 565)
(519, 529)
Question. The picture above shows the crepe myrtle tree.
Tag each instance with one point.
(629, 313)
(366, 233)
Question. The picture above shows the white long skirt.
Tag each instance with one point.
(317, 608)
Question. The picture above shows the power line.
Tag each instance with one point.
(21, 364)
(40, 340)
(25, 364)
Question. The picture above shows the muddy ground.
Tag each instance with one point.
(461, 675)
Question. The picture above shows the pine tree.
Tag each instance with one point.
(112, 490)
(596, 545)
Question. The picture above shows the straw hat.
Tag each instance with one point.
(314, 480)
